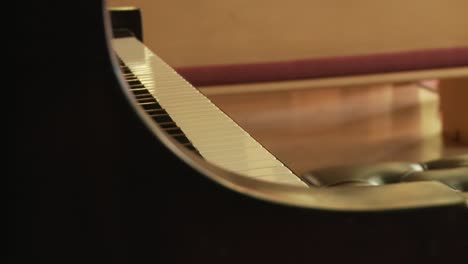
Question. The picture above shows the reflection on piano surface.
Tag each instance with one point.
(305, 128)
(98, 180)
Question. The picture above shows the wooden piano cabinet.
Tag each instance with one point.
(454, 109)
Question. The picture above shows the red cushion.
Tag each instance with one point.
(326, 67)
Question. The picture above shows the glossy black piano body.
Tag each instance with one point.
(94, 184)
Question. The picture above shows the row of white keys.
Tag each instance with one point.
(215, 135)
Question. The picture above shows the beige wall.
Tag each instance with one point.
(200, 32)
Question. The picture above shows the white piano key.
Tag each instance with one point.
(284, 179)
(248, 165)
(261, 172)
(241, 155)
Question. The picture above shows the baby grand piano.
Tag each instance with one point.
(105, 170)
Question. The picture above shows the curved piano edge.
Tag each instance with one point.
(387, 197)
(345, 198)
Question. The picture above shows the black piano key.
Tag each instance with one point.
(125, 70)
(133, 83)
(168, 125)
(152, 107)
(148, 99)
(174, 131)
(182, 139)
(191, 147)
(162, 118)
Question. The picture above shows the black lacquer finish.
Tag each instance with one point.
(126, 21)
(91, 184)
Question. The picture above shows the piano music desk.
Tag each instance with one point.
(313, 128)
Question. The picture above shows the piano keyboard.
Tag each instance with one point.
(192, 119)
(154, 109)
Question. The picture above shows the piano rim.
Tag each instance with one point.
(402, 196)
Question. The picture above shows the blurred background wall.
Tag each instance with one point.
(202, 32)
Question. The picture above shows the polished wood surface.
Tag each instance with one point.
(313, 128)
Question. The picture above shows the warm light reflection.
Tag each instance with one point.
(339, 126)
